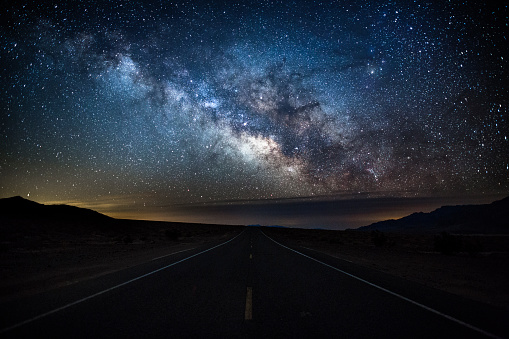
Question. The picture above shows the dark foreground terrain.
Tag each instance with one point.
(470, 265)
(248, 285)
(121, 278)
(39, 255)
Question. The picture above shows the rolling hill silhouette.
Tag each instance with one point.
(22, 219)
(20, 208)
(467, 219)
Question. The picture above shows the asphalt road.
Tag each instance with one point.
(249, 286)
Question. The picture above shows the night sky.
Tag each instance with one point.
(156, 109)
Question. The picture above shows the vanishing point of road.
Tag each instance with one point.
(249, 286)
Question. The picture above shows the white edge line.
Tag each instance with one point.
(167, 255)
(110, 289)
(472, 327)
(248, 314)
(312, 249)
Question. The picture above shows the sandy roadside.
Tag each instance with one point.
(27, 271)
(482, 276)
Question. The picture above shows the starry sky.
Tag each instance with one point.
(194, 110)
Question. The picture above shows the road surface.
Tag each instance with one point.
(250, 286)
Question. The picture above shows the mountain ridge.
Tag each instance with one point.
(468, 219)
(20, 208)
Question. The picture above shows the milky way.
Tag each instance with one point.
(192, 102)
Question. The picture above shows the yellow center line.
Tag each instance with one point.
(251, 256)
(248, 315)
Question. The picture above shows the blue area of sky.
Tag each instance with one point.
(128, 105)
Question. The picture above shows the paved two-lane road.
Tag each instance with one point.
(249, 286)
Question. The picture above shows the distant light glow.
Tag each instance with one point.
(148, 104)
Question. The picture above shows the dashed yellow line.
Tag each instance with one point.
(248, 315)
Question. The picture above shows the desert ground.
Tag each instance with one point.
(39, 256)
(478, 271)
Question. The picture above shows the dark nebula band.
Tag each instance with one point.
(195, 102)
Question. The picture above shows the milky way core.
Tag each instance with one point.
(161, 103)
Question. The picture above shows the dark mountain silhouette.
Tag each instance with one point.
(468, 219)
(20, 208)
(273, 226)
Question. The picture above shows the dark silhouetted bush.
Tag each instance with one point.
(335, 240)
(472, 246)
(172, 234)
(379, 238)
(447, 243)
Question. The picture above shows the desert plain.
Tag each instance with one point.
(36, 256)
